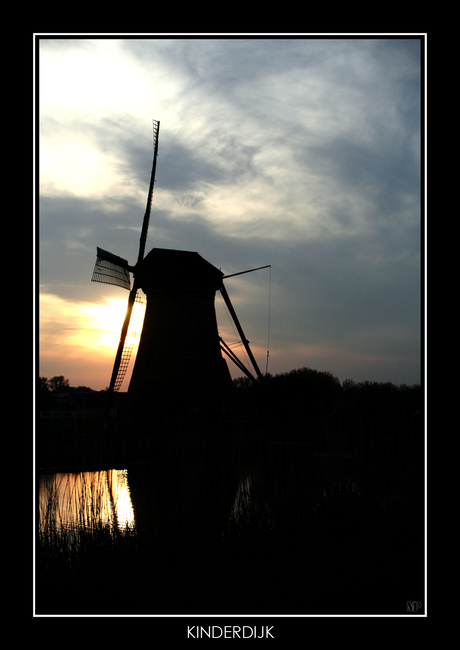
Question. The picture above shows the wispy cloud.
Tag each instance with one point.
(296, 152)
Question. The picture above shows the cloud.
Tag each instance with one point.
(299, 153)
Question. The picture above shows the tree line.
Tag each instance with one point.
(60, 384)
(302, 402)
(56, 393)
(310, 403)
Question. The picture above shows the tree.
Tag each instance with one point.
(43, 384)
(58, 384)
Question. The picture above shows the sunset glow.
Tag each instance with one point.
(73, 332)
(299, 153)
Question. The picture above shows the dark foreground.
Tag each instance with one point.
(249, 526)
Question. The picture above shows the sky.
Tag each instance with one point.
(301, 152)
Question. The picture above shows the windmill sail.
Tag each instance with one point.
(132, 335)
(122, 356)
(111, 269)
(145, 224)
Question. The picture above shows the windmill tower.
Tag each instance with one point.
(179, 364)
(179, 361)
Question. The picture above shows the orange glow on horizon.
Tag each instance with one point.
(83, 325)
(79, 341)
(75, 336)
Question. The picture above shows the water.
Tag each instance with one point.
(199, 531)
(87, 500)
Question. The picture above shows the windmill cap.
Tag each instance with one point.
(166, 267)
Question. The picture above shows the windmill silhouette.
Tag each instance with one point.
(180, 349)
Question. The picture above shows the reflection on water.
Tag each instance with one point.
(199, 531)
(89, 500)
(86, 500)
(251, 499)
(242, 497)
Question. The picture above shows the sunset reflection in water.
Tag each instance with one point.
(86, 499)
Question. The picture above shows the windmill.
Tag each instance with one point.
(180, 349)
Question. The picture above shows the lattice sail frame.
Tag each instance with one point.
(132, 337)
(111, 269)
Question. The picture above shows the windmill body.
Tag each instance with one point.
(179, 364)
